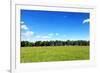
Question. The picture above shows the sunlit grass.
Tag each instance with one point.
(54, 53)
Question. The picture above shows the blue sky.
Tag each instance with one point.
(51, 25)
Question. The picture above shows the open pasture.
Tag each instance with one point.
(54, 53)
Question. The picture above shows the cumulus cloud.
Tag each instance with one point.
(27, 36)
(24, 27)
(28, 33)
(86, 21)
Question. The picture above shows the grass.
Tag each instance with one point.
(54, 53)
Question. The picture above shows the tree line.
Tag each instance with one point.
(55, 43)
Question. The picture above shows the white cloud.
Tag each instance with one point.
(86, 21)
(27, 36)
(38, 36)
(31, 36)
(24, 27)
(27, 33)
(22, 22)
(46, 37)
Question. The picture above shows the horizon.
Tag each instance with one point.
(59, 40)
(39, 25)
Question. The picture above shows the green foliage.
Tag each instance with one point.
(54, 53)
(55, 43)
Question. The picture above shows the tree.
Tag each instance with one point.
(55, 43)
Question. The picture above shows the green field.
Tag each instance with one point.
(54, 53)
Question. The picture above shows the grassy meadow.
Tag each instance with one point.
(53, 53)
